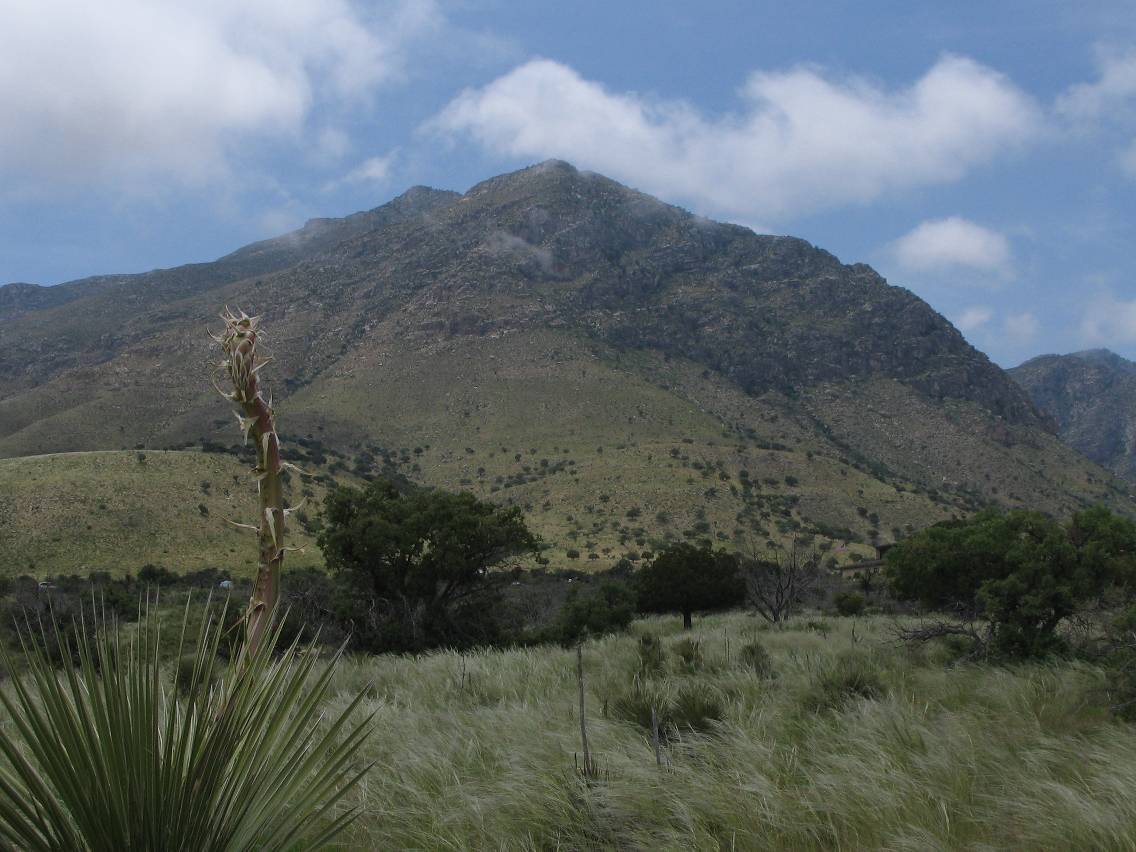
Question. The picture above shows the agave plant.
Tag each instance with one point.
(115, 754)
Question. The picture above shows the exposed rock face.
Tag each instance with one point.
(1092, 397)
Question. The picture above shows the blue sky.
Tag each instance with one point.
(980, 154)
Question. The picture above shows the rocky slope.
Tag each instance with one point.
(624, 370)
(1092, 398)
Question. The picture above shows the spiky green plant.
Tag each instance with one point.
(117, 754)
(239, 341)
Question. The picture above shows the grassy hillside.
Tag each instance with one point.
(117, 511)
(477, 750)
(609, 453)
(625, 372)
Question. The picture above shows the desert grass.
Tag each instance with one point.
(478, 750)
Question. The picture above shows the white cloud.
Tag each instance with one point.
(974, 318)
(124, 90)
(953, 243)
(1115, 85)
(803, 141)
(1108, 321)
(1021, 328)
(373, 170)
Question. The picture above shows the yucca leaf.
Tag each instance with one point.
(106, 754)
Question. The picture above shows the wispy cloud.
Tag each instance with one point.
(974, 317)
(802, 141)
(1109, 321)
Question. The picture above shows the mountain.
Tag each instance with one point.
(1092, 398)
(622, 369)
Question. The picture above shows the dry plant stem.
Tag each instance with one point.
(239, 343)
(588, 766)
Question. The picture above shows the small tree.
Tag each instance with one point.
(777, 585)
(685, 577)
(1022, 573)
(417, 564)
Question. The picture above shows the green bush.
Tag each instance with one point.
(109, 756)
(753, 657)
(608, 609)
(1022, 572)
(852, 675)
(849, 603)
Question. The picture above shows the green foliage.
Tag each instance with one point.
(848, 603)
(418, 563)
(608, 609)
(109, 755)
(754, 657)
(1022, 571)
(853, 675)
(684, 578)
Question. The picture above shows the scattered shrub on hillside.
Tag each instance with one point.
(852, 675)
(755, 658)
(849, 603)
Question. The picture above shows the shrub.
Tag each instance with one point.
(853, 675)
(1020, 571)
(689, 653)
(609, 609)
(110, 757)
(849, 603)
(753, 657)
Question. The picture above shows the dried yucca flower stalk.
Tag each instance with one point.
(239, 341)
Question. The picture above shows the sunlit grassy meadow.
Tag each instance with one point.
(479, 750)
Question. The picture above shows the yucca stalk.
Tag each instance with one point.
(108, 756)
(239, 341)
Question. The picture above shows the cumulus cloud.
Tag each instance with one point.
(953, 243)
(974, 318)
(1108, 321)
(122, 90)
(802, 140)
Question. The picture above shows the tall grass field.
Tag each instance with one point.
(851, 741)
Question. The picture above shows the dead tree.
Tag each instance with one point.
(778, 583)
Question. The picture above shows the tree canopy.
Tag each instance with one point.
(419, 558)
(1021, 571)
(684, 578)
